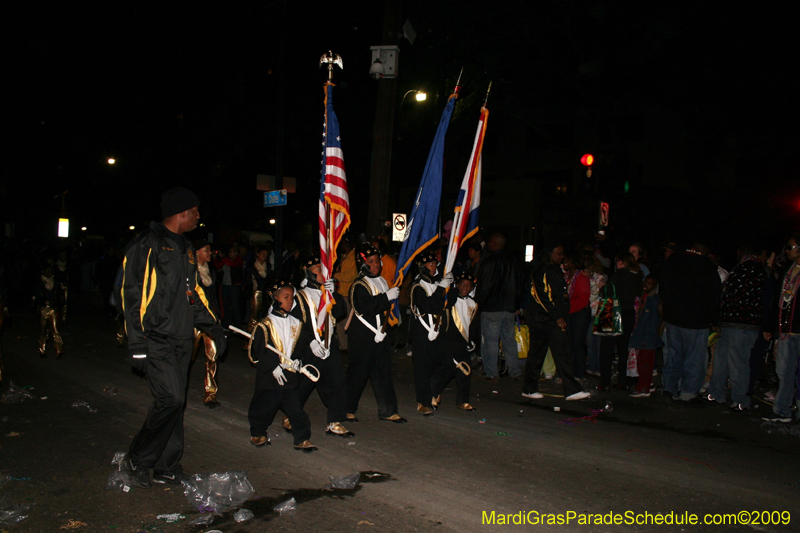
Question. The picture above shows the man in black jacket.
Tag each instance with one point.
(546, 318)
(162, 305)
(498, 297)
(690, 290)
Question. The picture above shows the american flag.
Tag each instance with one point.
(334, 201)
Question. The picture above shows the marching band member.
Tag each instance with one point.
(331, 384)
(276, 345)
(370, 349)
(458, 346)
(207, 282)
(427, 306)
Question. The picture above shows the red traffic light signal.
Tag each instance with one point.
(587, 160)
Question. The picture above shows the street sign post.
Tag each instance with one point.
(399, 221)
(275, 198)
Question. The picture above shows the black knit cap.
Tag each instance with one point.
(278, 285)
(465, 276)
(425, 257)
(365, 251)
(311, 261)
(177, 200)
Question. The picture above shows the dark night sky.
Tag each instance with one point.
(189, 95)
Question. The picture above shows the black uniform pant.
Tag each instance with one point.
(159, 444)
(426, 357)
(373, 361)
(447, 370)
(264, 406)
(331, 384)
(542, 338)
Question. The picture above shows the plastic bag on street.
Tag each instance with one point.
(16, 394)
(118, 459)
(286, 507)
(243, 514)
(119, 481)
(218, 492)
(202, 520)
(345, 482)
(80, 404)
(10, 512)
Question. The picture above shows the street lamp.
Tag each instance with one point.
(419, 96)
(111, 161)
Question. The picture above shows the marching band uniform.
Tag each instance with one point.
(275, 389)
(369, 346)
(427, 306)
(458, 346)
(331, 384)
(49, 306)
(207, 281)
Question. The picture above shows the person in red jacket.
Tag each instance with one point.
(580, 314)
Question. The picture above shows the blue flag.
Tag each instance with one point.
(421, 230)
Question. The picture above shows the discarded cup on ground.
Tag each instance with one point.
(286, 507)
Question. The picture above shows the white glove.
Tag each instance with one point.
(471, 347)
(293, 364)
(393, 293)
(278, 375)
(447, 280)
(329, 285)
(319, 350)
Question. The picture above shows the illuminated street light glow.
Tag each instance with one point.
(83, 228)
(131, 228)
(421, 96)
(63, 227)
(111, 160)
(272, 221)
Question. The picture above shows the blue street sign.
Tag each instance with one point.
(275, 198)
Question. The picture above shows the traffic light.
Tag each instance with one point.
(587, 161)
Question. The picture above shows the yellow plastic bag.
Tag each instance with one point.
(522, 335)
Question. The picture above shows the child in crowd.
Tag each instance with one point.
(645, 337)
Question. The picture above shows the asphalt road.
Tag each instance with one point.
(449, 472)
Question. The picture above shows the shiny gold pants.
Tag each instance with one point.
(256, 304)
(49, 326)
(207, 342)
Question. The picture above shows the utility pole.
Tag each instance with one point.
(382, 134)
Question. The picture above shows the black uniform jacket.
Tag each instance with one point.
(160, 295)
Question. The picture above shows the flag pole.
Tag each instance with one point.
(330, 59)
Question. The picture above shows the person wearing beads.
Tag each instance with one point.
(427, 306)
(278, 343)
(324, 353)
(785, 325)
(370, 347)
(740, 318)
(457, 342)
